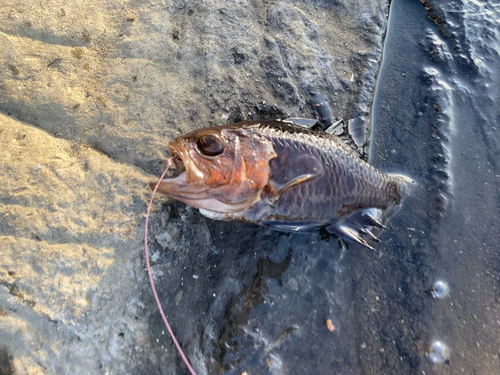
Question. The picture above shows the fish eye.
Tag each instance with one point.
(210, 145)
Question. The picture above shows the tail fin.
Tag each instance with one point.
(406, 186)
(411, 196)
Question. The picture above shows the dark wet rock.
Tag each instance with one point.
(432, 109)
(6, 367)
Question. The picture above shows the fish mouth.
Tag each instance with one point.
(177, 158)
(181, 188)
(189, 187)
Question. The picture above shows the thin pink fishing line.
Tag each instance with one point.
(146, 251)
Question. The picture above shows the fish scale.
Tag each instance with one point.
(370, 186)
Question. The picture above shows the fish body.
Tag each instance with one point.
(284, 176)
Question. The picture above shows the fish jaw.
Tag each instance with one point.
(198, 197)
(178, 188)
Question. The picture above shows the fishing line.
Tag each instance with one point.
(146, 251)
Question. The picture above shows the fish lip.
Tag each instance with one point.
(177, 156)
(178, 187)
(172, 149)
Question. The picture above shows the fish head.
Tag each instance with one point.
(223, 169)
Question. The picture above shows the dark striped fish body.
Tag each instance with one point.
(284, 176)
(338, 182)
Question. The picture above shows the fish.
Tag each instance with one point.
(283, 175)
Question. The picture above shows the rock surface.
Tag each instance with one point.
(90, 94)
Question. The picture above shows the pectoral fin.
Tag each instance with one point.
(279, 189)
(284, 177)
(348, 233)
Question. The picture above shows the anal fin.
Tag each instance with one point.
(370, 219)
(358, 227)
(367, 233)
(343, 231)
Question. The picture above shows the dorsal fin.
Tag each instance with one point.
(300, 121)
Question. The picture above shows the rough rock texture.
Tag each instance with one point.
(124, 77)
(90, 93)
(69, 235)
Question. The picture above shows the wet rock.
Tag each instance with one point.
(125, 87)
(90, 94)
